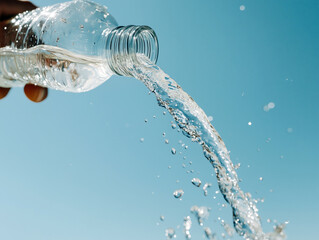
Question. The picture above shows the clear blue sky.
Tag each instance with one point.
(73, 167)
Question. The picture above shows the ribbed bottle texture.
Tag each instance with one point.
(73, 46)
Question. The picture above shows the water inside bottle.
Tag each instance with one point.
(52, 67)
(61, 69)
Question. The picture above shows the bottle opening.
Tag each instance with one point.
(129, 45)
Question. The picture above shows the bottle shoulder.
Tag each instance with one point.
(76, 26)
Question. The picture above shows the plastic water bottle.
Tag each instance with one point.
(73, 46)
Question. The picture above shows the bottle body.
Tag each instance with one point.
(65, 46)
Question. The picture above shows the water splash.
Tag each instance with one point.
(187, 227)
(206, 186)
(170, 233)
(228, 229)
(196, 125)
(209, 234)
(201, 213)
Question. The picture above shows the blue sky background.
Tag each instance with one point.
(73, 167)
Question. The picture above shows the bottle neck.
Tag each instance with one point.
(126, 46)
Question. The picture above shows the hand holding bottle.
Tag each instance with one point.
(8, 9)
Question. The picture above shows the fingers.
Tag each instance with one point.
(3, 92)
(10, 8)
(35, 93)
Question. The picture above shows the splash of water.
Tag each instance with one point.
(196, 125)
(201, 213)
(206, 186)
(187, 227)
(170, 233)
(209, 234)
(82, 71)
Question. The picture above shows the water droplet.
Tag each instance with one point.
(164, 134)
(237, 166)
(86, 20)
(187, 226)
(174, 126)
(201, 213)
(206, 186)
(169, 167)
(242, 8)
(162, 218)
(183, 165)
(209, 234)
(154, 116)
(196, 182)
(269, 106)
(190, 162)
(260, 179)
(141, 140)
(178, 193)
(249, 123)
(166, 141)
(268, 140)
(81, 26)
(170, 233)
(210, 118)
(145, 120)
(173, 150)
(164, 113)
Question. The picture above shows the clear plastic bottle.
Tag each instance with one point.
(73, 46)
